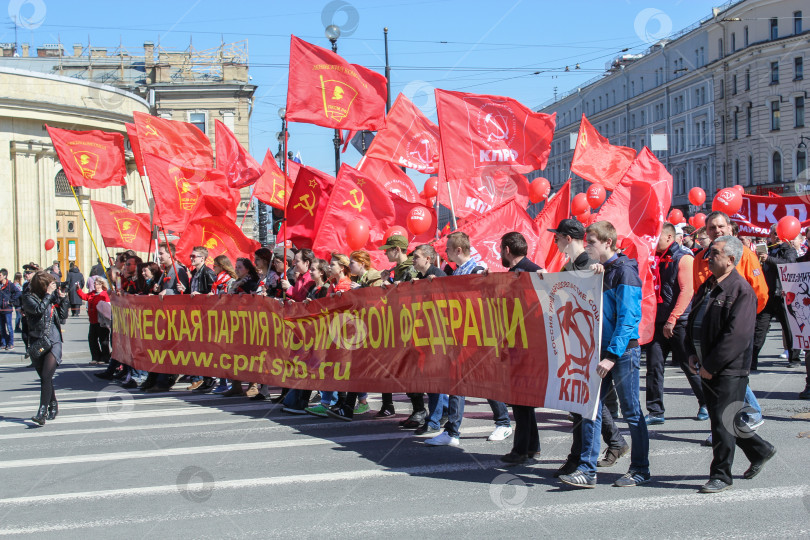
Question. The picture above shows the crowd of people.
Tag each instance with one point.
(716, 295)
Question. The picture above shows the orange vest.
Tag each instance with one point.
(748, 267)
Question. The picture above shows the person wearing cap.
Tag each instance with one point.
(679, 233)
(396, 249)
(672, 279)
(569, 237)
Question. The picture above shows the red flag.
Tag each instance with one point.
(637, 208)
(179, 191)
(485, 233)
(409, 138)
(132, 135)
(239, 167)
(478, 131)
(272, 188)
(306, 205)
(555, 210)
(122, 228)
(391, 177)
(92, 159)
(477, 195)
(598, 161)
(219, 237)
(325, 90)
(178, 141)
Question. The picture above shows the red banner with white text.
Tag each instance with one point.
(519, 338)
(758, 213)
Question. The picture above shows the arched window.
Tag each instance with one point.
(776, 167)
(801, 164)
(62, 186)
(736, 171)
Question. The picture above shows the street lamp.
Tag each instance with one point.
(332, 34)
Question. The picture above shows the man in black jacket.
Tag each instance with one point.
(778, 253)
(202, 277)
(9, 297)
(719, 333)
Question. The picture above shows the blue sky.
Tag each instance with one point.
(472, 46)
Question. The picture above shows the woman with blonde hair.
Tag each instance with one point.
(339, 280)
(363, 274)
(223, 268)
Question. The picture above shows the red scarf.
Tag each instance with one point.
(222, 279)
(665, 258)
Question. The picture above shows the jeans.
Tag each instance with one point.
(455, 405)
(657, 351)
(18, 320)
(625, 376)
(297, 399)
(610, 434)
(751, 399)
(437, 403)
(328, 398)
(6, 329)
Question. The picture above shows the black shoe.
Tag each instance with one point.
(415, 420)
(794, 365)
(53, 410)
(385, 412)
(714, 486)
(145, 386)
(422, 430)
(106, 375)
(206, 387)
(514, 458)
(341, 413)
(531, 454)
(130, 384)
(41, 416)
(569, 467)
(756, 466)
(258, 397)
(805, 394)
(119, 374)
(612, 455)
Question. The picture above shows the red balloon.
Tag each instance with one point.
(699, 220)
(539, 190)
(396, 229)
(580, 204)
(49, 244)
(788, 228)
(432, 186)
(357, 234)
(697, 196)
(675, 216)
(727, 200)
(739, 188)
(419, 221)
(596, 195)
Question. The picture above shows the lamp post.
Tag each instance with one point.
(332, 34)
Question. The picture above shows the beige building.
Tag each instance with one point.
(94, 88)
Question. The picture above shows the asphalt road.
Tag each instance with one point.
(123, 464)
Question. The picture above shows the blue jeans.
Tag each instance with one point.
(6, 329)
(625, 375)
(500, 414)
(328, 398)
(437, 403)
(751, 399)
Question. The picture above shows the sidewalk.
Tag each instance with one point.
(74, 348)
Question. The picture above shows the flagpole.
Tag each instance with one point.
(98, 253)
(452, 206)
(165, 237)
(283, 114)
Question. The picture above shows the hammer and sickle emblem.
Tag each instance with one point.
(500, 132)
(303, 202)
(150, 130)
(583, 138)
(338, 93)
(357, 205)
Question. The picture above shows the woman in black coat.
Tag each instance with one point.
(45, 307)
(74, 276)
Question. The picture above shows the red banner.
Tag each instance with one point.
(121, 227)
(325, 90)
(273, 187)
(92, 159)
(306, 206)
(477, 196)
(409, 138)
(758, 213)
(389, 175)
(132, 135)
(180, 142)
(219, 236)
(239, 167)
(515, 338)
(598, 161)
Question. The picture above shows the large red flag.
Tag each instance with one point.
(485, 233)
(409, 138)
(179, 191)
(306, 205)
(273, 186)
(92, 159)
(325, 90)
(122, 228)
(598, 161)
(132, 135)
(239, 167)
(178, 141)
(637, 208)
(555, 210)
(219, 237)
(390, 176)
(477, 195)
(478, 131)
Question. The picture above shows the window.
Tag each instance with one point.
(643, 118)
(774, 28)
(774, 72)
(745, 36)
(736, 171)
(798, 69)
(642, 84)
(748, 120)
(799, 112)
(633, 121)
(751, 169)
(632, 88)
(775, 115)
(62, 187)
(747, 80)
(776, 167)
(801, 164)
(198, 120)
(733, 42)
(720, 53)
(736, 127)
(722, 129)
(702, 57)
(797, 22)
(600, 103)
(722, 89)
(733, 85)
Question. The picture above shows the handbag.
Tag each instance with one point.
(40, 346)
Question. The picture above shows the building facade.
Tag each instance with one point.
(719, 103)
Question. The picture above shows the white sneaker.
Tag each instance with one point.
(500, 433)
(443, 439)
(784, 355)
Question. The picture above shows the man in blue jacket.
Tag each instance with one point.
(620, 359)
